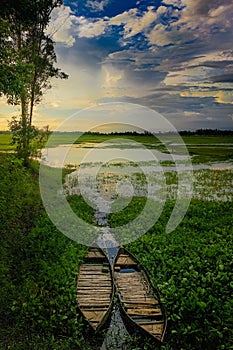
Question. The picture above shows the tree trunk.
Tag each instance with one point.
(24, 118)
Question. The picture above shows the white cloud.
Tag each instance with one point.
(195, 19)
(65, 26)
(88, 29)
(61, 27)
(96, 6)
(111, 77)
(133, 22)
(177, 3)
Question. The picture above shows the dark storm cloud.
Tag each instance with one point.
(224, 78)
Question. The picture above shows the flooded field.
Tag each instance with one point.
(210, 182)
(129, 169)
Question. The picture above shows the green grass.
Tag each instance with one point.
(38, 267)
(192, 267)
(5, 142)
(201, 140)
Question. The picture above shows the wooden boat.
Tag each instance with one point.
(95, 289)
(141, 307)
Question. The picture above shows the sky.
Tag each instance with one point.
(174, 57)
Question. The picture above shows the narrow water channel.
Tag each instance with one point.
(117, 336)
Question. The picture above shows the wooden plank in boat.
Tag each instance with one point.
(93, 301)
(139, 305)
(86, 289)
(91, 267)
(94, 315)
(135, 298)
(87, 266)
(144, 312)
(94, 275)
(125, 260)
(92, 296)
(132, 292)
(142, 299)
(95, 253)
(91, 305)
(155, 329)
(94, 281)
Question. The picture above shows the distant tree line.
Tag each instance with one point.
(204, 132)
(207, 132)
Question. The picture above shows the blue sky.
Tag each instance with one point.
(173, 56)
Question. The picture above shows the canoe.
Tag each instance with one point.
(95, 290)
(140, 304)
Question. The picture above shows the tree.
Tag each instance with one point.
(27, 60)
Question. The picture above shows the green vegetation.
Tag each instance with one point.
(27, 65)
(202, 148)
(192, 267)
(39, 267)
(6, 142)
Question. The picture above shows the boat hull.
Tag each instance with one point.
(95, 290)
(141, 308)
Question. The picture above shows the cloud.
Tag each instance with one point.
(96, 6)
(162, 35)
(111, 76)
(135, 23)
(197, 7)
(195, 19)
(187, 76)
(61, 27)
(177, 3)
(90, 29)
(176, 59)
(220, 96)
(200, 15)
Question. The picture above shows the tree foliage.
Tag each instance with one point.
(27, 59)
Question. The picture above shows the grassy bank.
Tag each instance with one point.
(39, 267)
